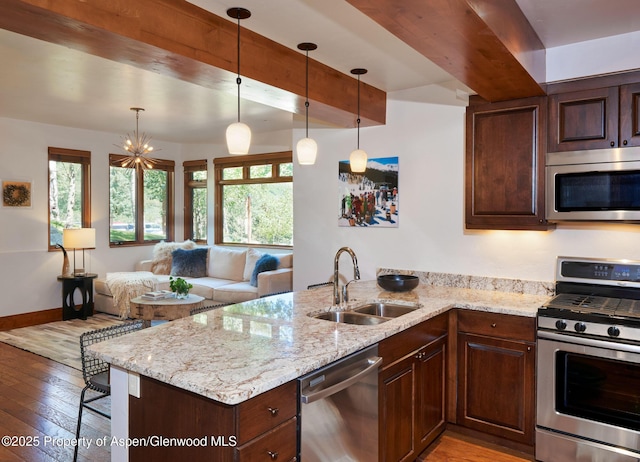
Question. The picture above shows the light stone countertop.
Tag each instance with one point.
(234, 353)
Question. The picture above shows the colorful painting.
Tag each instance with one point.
(371, 198)
(16, 193)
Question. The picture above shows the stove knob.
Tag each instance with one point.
(561, 324)
(613, 331)
(580, 327)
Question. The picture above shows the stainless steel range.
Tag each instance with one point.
(588, 363)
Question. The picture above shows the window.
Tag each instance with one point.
(195, 200)
(69, 192)
(254, 199)
(140, 202)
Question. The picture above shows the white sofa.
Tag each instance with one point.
(227, 280)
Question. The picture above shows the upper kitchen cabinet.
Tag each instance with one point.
(583, 120)
(630, 114)
(596, 118)
(504, 170)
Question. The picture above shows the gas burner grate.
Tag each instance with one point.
(609, 306)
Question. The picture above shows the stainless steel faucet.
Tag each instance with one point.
(336, 275)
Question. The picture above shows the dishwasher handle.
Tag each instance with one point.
(374, 363)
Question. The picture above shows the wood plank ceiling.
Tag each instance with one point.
(493, 50)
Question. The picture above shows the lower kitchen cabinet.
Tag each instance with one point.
(496, 375)
(412, 389)
(263, 428)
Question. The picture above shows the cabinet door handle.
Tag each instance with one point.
(625, 142)
(494, 325)
(273, 455)
(274, 411)
(612, 144)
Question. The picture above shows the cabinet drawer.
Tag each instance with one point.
(277, 444)
(408, 341)
(497, 325)
(266, 411)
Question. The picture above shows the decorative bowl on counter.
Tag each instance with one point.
(398, 282)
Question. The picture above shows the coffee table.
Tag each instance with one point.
(166, 309)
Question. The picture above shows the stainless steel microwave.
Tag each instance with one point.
(595, 185)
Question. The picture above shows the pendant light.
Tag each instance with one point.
(307, 148)
(137, 147)
(238, 134)
(358, 158)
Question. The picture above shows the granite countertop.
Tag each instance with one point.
(233, 353)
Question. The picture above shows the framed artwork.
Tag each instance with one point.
(16, 193)
(369, 199)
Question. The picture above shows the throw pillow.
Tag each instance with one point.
(253, 256)
(189, 263)
(161, 263)
(265, 263)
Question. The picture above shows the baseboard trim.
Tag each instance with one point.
(30, 319)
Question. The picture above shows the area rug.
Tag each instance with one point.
(58, 341)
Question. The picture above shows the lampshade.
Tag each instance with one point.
(238, 138)
(358, 161)
(80, 238)
(307, 150)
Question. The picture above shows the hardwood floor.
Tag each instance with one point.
(453, 447)
(39, 404)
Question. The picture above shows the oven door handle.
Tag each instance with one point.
(586, 341)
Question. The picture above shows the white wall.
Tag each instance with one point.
(611, 54)
(428, 138)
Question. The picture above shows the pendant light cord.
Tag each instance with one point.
(306, 103)
(238, 79)
(358, 119)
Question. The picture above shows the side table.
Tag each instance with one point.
(69, 285)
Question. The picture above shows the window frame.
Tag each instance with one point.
(191, 166)
(160, 164)
(74, 156)
(246, 162)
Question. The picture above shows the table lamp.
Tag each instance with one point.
(79, 238)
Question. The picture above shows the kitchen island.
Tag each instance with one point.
(232, 354)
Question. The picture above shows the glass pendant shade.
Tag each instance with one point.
(238, 138)
(307, 150)
(358, 161)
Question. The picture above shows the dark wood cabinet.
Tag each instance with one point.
(630, 114)
(412, 389)
(496, 375)
(504, 167)
(260, 428)
(596, 118)
(582, 120)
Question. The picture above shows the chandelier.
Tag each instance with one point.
(137, 146)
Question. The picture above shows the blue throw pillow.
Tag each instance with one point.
(189, 263)
(265, 263)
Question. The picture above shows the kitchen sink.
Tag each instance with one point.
(386, 310)
(367, 315)
(350, 317)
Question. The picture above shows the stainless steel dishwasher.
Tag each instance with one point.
(339, 410)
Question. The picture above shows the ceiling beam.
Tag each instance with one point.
(487, 45)
(180, 40)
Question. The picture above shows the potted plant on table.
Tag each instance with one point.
(180, 287)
